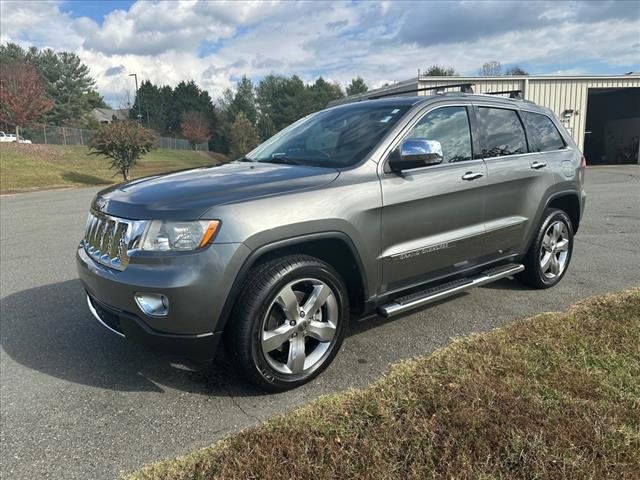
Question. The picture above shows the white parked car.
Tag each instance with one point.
(7, 137)
(10, 137)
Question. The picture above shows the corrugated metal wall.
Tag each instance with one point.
(558, 94)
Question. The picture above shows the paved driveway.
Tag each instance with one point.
(77, 402)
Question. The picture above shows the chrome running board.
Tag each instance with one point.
(418, 299)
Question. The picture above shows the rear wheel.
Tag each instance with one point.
(548, 258)
(288, 323)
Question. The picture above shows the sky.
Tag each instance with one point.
(215, 43)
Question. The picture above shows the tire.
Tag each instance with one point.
(275, 309)
(553, 240)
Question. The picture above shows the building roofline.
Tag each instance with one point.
(415, 81)
(529, 77)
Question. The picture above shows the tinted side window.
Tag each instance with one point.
(502, 131)
(543, 134)
(450, 127)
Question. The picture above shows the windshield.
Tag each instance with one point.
(339, 137)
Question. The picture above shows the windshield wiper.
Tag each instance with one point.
(281, 159)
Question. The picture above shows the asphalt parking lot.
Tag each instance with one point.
(78, 402)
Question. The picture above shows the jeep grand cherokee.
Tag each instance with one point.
(378, 206)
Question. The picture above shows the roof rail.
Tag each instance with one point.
(517, 94)
(464, 88)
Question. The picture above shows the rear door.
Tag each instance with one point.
(517, 179)
(433, 217)
(545, 138)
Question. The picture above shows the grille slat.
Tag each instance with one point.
(92, 231)
(115, 239)
(98, 237)
(106, 238)
(105, 242)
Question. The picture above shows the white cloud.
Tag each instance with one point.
(214, 43)
(37, 23)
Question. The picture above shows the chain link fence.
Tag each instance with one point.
(53, 135)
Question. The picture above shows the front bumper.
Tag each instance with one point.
(199, 348)
(196, 283)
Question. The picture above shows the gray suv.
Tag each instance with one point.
(378, 206)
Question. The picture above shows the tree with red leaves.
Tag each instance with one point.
(195, 128)
(123, 142)
(22, 97)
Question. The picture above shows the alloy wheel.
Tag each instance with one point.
(300, 326)
(554, 251)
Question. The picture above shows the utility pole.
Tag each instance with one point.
(135, 76)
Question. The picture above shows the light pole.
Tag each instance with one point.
(135, 76)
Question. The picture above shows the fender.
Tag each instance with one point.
(259, 252)
(551, 198)
(566, 193)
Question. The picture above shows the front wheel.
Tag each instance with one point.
(548, 258)
(288, 323)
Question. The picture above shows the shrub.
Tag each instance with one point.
(124, 143)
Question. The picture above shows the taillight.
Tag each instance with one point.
(582, 170)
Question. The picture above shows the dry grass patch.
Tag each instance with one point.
(26, 167)
(554, 396)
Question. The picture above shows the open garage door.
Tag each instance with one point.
(613, 126)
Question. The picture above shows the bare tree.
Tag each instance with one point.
(124, 99)
(491, 69)
(22, 97)
(195, 128)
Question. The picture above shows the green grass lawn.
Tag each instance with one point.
(554, 396)
(26, 167)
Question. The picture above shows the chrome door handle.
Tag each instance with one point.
(471, 175)
(538, 165)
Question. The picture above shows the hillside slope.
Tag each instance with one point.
(31, 167)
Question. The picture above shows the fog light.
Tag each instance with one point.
(154, 304)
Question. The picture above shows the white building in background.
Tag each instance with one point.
(108, 115)
(602, 112)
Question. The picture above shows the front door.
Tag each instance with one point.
(433, 216)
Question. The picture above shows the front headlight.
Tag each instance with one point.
(164, 235)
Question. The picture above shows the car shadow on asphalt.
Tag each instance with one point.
(366, 323)
(506, 284)
(50, 329)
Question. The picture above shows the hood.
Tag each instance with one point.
(189, 194)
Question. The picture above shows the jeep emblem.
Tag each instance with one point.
(101, 203)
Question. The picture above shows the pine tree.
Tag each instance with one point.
(67, 82)
(357, 86)
(438, 71)
(243, 136)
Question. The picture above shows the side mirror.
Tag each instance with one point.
(416, 153)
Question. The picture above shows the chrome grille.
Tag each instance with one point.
(108, 239)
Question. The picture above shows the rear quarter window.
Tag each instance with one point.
(543, 134)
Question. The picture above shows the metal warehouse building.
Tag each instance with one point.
(602, 113)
